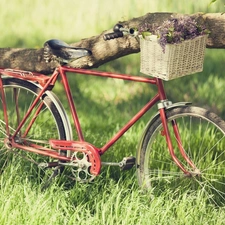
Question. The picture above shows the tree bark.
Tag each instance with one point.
(105, 51)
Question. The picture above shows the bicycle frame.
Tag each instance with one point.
(48, 82)
(159, 96)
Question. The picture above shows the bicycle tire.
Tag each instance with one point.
(202, 136)
(48, 124)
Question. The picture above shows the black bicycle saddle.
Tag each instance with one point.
(57, 49)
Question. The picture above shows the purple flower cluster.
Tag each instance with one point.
(174, 30)
(177, 30)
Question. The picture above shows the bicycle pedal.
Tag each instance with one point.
(127, 163)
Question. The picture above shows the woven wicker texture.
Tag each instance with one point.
(178, 60)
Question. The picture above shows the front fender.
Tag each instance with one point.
(171, 106)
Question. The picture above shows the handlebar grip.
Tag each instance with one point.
(117, 28)
(112, 35)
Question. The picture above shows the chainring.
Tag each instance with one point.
(81, 167)
(84, 158)
(86, 162)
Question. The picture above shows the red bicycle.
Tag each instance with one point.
(181, 145)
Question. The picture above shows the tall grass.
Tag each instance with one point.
(114, 197)
(104, 202)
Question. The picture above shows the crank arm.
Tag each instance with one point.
(126, 164)
(44, 165)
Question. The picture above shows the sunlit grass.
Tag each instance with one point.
(87, 204)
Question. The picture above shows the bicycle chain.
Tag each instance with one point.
(24, 157)
(80, 166)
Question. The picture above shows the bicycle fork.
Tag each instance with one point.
(167, 135)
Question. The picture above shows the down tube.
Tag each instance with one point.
(130, 123)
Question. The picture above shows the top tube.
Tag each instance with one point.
(108, 74)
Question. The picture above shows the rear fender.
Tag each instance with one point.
(58, 104)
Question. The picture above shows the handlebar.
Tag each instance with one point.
(113, 35)
(119, 31)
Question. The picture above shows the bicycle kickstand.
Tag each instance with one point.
(50, 179)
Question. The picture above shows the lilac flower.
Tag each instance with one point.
(174, 30)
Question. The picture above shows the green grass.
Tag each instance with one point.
(114, 197)
(104, 202)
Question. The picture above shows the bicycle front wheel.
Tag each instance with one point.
(202, 138)
(47, 124)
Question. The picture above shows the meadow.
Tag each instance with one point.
(114, 197)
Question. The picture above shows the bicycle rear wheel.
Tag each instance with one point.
(202, 136)
(19, 95)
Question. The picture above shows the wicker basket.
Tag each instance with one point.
(177, 61)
